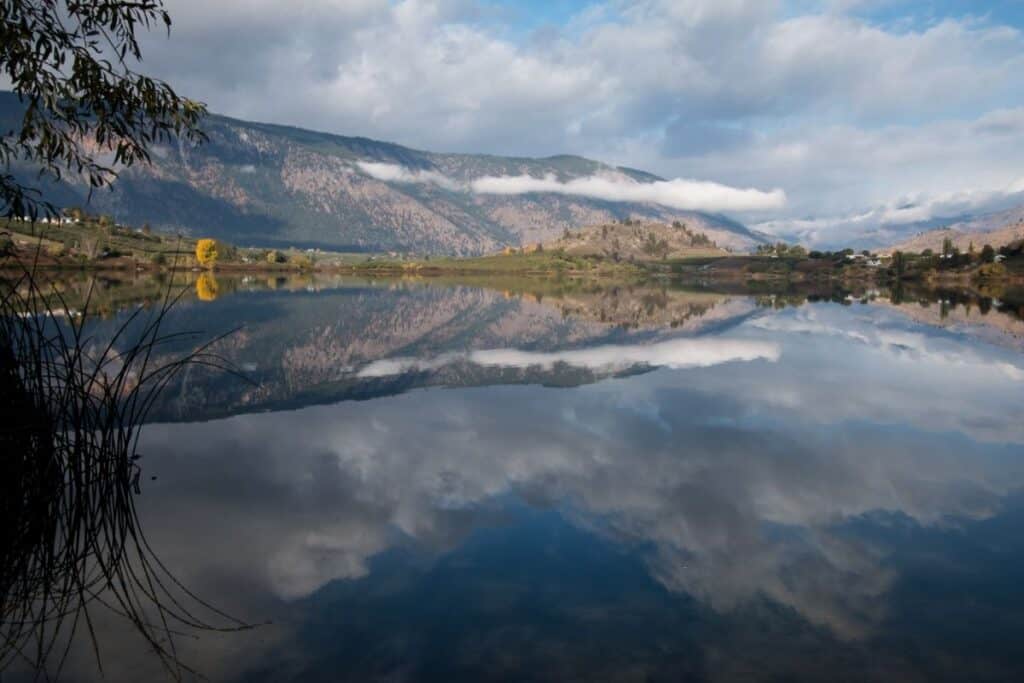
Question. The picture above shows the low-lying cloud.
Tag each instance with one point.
(893, 216)
(907, 211)
(687, 195)
(690, 195)
(393, 173)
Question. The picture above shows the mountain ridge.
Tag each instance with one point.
(934, 239)
(268, 184)
(902, 236)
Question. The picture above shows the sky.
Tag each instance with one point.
(857, 112)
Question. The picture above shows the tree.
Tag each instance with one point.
(898, 263)
(947, 248)
(655, 247)
(988, 254)
(206, 252)
(70, 63)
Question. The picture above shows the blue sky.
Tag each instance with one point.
(862, 112)
(922, 13)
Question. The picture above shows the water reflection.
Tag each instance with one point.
(359, 340)
(813, 491)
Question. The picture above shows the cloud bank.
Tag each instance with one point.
(393, 173)
(687, 195)
(692, 195)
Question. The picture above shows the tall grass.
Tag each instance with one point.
(71, 542)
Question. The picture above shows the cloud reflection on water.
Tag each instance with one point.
(736, 477)
(675, 353)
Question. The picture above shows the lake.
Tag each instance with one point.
(441, 481)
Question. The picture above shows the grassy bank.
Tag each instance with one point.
(533, 263)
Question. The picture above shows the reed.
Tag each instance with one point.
(71, 542)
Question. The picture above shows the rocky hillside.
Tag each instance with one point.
(963, 237)
(636, 240)
(268, 185)
(925, 232)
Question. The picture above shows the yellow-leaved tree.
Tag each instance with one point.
(206, 251)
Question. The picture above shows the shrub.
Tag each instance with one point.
(301, 260)
(991, 271)
(274, 256)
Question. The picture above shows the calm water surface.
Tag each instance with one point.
(456, 483)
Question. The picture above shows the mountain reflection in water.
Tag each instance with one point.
(569, 487)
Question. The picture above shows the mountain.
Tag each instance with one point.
(270, 185)
(926, 231)
(934, 239)
(998, 229)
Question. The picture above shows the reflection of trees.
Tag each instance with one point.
(633, 307)
(70, 542)
(206, 287)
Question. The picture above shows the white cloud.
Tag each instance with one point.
(839, 112)
(677, 194)
(691, 195)
(393, 173)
